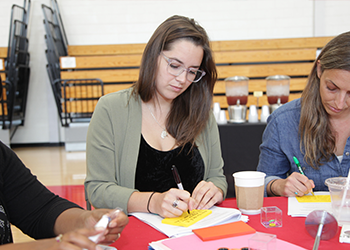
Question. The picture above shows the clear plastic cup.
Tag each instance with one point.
(339, 190)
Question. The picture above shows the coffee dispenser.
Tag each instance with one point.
(237, 97)
(277, 90)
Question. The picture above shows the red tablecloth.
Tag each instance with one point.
(137, 235)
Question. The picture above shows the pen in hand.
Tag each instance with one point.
(300, 169)
(177, 179)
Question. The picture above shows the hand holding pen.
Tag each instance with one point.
(171, 203)
(296, 161)
(205, 194)
(178, 183)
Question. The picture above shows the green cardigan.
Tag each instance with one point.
(112, 149)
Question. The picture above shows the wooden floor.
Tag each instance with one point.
(58, 170)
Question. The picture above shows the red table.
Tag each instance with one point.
(137, 235)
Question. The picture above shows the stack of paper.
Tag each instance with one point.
(302, 206)
(218, 216)
(191, 242)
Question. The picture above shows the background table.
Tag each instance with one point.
(240, 149)
(137, 235)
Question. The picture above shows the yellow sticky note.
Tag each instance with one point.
(187, 219)
(314, 198)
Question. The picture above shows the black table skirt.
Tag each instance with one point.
(240, 149)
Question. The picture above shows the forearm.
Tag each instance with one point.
(108, 195)
(139, 201)
(222, 196)
(70, 220)
(273, 187)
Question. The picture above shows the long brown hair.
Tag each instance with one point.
(190, 111)
(317, 140)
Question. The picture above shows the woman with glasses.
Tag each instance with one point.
(138, 135)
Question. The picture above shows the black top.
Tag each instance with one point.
(24, 201)
(153, 171)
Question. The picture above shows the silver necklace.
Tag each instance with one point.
(164, 132)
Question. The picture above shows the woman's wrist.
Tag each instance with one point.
(149, 202)
(221, 196)
(153, 203)
(69, 220)
(272, 193)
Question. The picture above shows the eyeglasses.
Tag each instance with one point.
(175, 68)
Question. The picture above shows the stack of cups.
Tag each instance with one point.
(253, 114)
(222, 117)
(216, 111)
(265, 112)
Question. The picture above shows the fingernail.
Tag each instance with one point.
(113, 224)
(98, 248)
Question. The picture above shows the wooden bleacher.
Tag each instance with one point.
(118, 65)
(3, 55)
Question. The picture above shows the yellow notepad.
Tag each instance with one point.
(187, 219)
(314, 198)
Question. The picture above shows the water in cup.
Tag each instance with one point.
(339, 190)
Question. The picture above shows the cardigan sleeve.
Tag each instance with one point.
(211, 153)
(104, 151)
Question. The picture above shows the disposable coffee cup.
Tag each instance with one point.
(249, 187)
(339, 189)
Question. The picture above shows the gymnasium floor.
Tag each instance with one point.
(62, 172)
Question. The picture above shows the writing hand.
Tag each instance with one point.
(205, 195)
(171, 203)
(295, 185)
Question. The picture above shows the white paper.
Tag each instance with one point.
(302, 209)
(158, 245)
(103, 247)
(218, 216)
(344, 236)
(68, 62)
(1, 64)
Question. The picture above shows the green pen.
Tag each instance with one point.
(300, 169)
(298, 165)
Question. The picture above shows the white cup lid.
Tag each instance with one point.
(249, 178)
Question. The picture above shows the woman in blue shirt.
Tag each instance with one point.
(315, 128)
